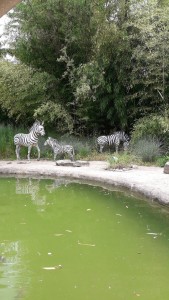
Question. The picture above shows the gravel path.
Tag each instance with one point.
(149, 181)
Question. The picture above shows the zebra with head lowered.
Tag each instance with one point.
(115, 138)
(29, 140)
(60, 149)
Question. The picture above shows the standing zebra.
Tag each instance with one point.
(115, 138)
(29, 140)
(59, 149)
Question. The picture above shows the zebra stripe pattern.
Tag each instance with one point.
(59, 149)
(29, 140)
(115, 138)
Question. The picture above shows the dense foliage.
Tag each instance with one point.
(86, 66)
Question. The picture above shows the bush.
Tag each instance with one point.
(152, 127)
(148, 149)
(7, 148)
(122, 160)
(161, 161)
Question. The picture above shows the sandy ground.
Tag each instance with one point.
(149, 181)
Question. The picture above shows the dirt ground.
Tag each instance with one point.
(151, 182)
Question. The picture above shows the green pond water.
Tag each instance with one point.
(65, 240)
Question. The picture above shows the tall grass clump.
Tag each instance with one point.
(83, 146)
(7, 147)
(152, 128)
(6, 141)
(147, 149)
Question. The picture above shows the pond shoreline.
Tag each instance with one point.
(150, 182)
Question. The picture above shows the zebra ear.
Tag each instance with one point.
(37, 122)
(42, 123)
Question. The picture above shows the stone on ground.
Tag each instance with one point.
(69, 163)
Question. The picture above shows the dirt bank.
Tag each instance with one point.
(149, 181)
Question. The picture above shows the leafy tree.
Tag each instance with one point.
(24, 94)
(105, 62)
(42, 30)
(102, 82)
(149, 34)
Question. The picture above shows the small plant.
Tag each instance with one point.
(161, 161)
(122, 160)
(148, 149)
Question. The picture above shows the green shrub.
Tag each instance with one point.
(147, 149)
(152, 127)
(122, 160)
(161, 161)
(7, 149)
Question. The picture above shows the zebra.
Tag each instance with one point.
(59, 149)
(115, 138)
(29, 140)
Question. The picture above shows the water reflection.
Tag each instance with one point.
(29, 186)
(57, 183)
(90, 240)
(12, 285)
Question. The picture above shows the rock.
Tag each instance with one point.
(166, 168)
(65, 162)
(69, 163)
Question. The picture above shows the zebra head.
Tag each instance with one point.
(38, 128)
(126, 141)
(50, 142)
(122, 136)
(47, 142)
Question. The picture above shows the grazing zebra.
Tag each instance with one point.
(115, 138)
(29, 140)
(59, 149)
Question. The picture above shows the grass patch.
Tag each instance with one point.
(123, 160)
(143, 152)
(147, 149)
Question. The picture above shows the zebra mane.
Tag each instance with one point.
(36, 123)
(53, 140)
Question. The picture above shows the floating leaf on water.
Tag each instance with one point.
(153, 233)
(88, 209)
(49, 268)
(91, 245)
(67, 230)
(137, 294)
(52, 268)
(119, 215)
(58, 234)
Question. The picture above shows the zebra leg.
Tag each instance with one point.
(55, 156)
(117, 147)
(29, 151)
(37, 147)
(101, 148)
(71, 157)
(56, 152)
(17, 151)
